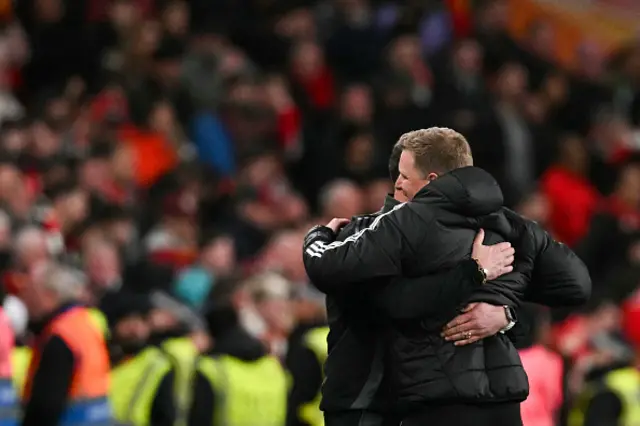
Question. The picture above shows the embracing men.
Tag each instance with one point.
(394, 285)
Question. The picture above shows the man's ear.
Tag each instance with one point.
(432, 176)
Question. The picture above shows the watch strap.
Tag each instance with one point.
(482, 273)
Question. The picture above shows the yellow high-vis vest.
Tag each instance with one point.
(134, 385)
(248, 393)
(625, 384)
(316, 340)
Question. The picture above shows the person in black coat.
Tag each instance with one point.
(478, 384)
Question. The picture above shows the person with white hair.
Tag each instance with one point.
(341, 197)
(68, 376)
(30, 247)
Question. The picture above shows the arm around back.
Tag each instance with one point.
(374, 252)
(560, 278)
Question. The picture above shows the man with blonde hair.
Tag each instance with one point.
(450, 202)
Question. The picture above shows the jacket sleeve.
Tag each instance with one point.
(560, 278)
(406, 298)
(374, 252)
(510, 289)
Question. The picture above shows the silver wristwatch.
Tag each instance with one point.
(511, 317)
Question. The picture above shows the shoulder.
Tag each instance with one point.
(357, 224)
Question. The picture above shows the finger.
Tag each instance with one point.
(450, 333)
(507, 269)
(502, 247)
(459, 320)
(470, 307)
(479, 238)
(459, 335)
(508, 260)
(509, 251)
(466, 341)
(460, 329)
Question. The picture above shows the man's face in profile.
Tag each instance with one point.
(411, 180)
(398, 195)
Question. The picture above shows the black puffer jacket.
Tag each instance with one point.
(433, 232)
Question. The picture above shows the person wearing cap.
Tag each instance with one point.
(237, 382)
(68, 377)
(143, 376)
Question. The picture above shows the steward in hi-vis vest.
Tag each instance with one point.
(237, 383)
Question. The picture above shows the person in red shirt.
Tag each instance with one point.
(572, 198)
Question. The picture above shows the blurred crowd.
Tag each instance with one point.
(167, 147)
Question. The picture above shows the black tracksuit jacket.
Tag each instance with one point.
(427, 242)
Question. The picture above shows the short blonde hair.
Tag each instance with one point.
(437, 149)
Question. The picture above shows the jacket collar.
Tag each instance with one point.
(389, 203)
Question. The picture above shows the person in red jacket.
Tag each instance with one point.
(572, 198)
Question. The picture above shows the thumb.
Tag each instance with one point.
(479, 237)
(469, 307)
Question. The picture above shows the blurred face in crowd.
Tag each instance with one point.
(58, 114)
(45, 141)
(30, 248)
(629, 185)
(102, 264)
(359, 153)
(542, 39)
(72, 207)
(411, 179)
(512, 82)
(297, 25)
(283, 254)
(405, 53)
(494, 16)
(14, 191)
(95, 173)
(124, 14)
(131, 333)
(262, 170)
(357, 104)
(162, 320)
(162, 119)
(307, 59)
(220, 256)
(277, 313)
(376, 193)
(146, 38)
(5, 236)
(556, 88)
(591, 60)
(33, 292)
(123, 164)
(278, 93)
(535, 108)
(176, 18)
(294, 209)
(14, 141)
(574, 155)
(468, 57)
(344, 200)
